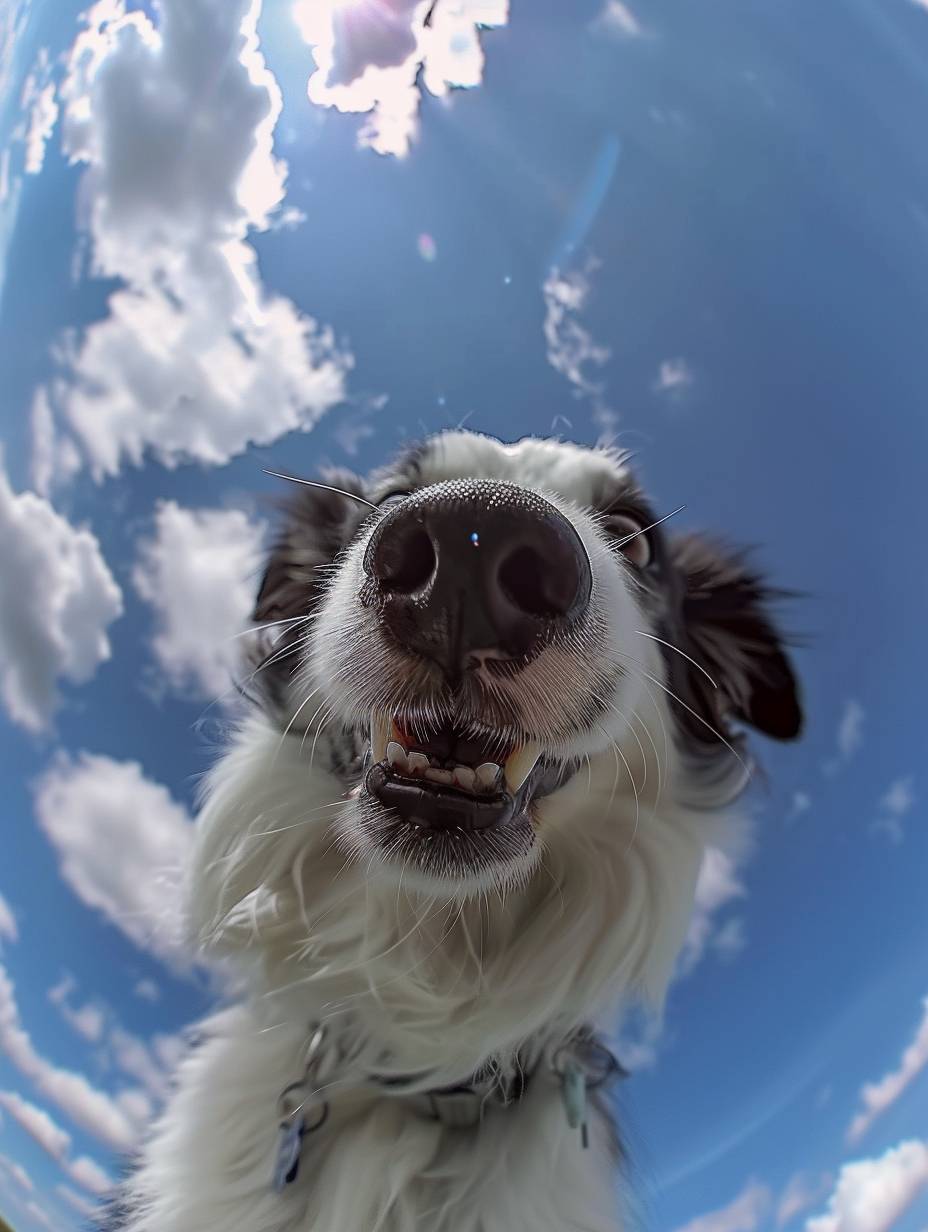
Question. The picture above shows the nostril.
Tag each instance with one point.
(536, 586)
(405, 560)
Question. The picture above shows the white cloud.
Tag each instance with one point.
(37, 1124)
(9, 930)
(718, 885)
(618, 20)
(121, 842)
(849, 737)
(196, 359)
(800, 803)
(87, 1020)
(744, 1214)
(877, 1096)
(638, 1041)
(55, 457)
(871, 1194)
(87, 1173)
(731, 938)
(41, 1216)
(200, 574)
(356, 426)
(371, 58)
(571, 350)
(147, 990)
(88, 1107)
(801, 1192)
(18, 1173)
(57, 600)
(897, 801)
(77, 1202)
(673, 377)
(148, 1065)
(42, 120)
(56, 1142)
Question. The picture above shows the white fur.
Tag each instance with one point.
(416, 978)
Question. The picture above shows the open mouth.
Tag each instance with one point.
(455, 806)
(444, 780)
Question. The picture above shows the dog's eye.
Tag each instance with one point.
(394, 498)
(631, 539)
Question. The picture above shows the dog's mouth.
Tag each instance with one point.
(443, 779)
(452, 803)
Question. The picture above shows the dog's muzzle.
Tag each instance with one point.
(470, 576)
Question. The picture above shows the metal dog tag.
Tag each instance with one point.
(573, 1088)
(289, 1150)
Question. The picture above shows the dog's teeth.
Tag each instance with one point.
(464, 777)
(439, 776)
(520, 764)
(396, 755)
(417, 763)
(381, 730)
(486, 775)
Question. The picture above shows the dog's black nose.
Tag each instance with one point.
(472, 568)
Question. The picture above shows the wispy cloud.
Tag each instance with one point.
(199, 571)
(56, 1142)
(76, 1201)
(731, 938)
(571, 349)
(17, 1173)
(57, 602)
(72, 1092)
(802, 1191)
(9, 929)
(87, 1020)
(376, 59)
(849, 737)
(43, 116)
(121, 841)
(617, 19)
(897, 801)
(673, 378)
(877, 1096)
(745, 1213)
(800, 803)
(41, 1216)
(718, 886)
(147, 990)
(872, 1194)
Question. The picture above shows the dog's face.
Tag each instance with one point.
(502, 619)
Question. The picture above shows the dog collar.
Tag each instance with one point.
(581, 1063)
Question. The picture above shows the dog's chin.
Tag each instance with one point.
(449, 864)
(450, 810)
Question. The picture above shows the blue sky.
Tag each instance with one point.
(700, 227)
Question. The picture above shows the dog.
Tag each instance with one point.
(497, 718)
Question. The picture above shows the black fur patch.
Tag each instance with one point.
(721, 618)
(317, 526)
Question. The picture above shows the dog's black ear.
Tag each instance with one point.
(725, 621)
(316, 525)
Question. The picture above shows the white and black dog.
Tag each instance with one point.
(498, 725)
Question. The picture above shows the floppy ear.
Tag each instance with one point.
(726, 627)
(317, 524)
